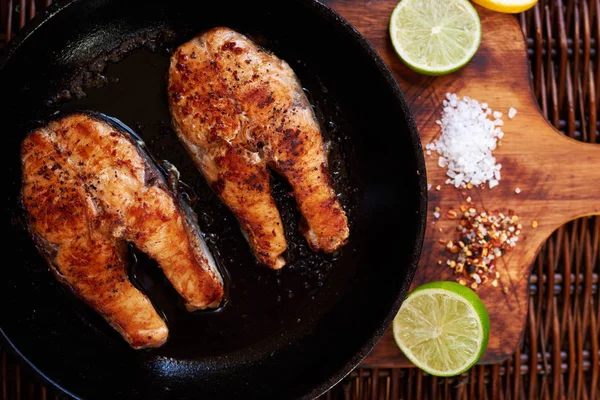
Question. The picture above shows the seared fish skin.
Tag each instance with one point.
(88, 188)
(239, 109)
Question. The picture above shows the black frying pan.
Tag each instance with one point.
(287, 334)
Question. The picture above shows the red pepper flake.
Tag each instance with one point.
(482, 239)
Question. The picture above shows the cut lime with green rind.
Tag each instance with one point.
(435, 37)
(442, 328)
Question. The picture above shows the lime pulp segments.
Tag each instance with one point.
(442, 328)
(435, 37)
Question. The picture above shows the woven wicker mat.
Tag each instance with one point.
(560, 354)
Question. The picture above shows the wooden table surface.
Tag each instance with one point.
(536, 158)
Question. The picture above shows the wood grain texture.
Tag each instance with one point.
(559, 177)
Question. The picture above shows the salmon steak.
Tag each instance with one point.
(239, 110)
(89, 188)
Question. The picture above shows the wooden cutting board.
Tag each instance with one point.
(559, 177)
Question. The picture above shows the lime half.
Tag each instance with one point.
(443, 328)
(435, 37)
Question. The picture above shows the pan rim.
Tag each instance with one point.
(332, 17)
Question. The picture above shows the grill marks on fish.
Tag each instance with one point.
(88, 188)
(238, 109)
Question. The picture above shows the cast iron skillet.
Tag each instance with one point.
(287, 334)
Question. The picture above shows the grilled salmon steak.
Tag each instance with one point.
(238, 109)
(89, 187)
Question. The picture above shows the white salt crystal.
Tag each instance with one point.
(469, 134)
(512, 112)
(458, 180)
(436, 215)
(518, 190)
(428, 187)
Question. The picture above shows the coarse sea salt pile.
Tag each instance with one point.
(470, 133)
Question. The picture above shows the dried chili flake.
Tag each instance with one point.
(482, 238)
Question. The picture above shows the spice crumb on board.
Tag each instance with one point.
(534, 224)
(470, 132)
(482, 239)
